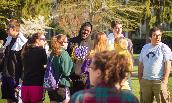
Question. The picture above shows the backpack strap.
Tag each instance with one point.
(52, 59)
(60, 74)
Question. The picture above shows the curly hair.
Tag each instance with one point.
(57, 42)
(113, 66)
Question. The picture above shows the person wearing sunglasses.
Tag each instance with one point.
(34, 58)
(63, 67)
(108, 71)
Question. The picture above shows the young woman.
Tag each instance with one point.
(101, 44)
(107, 71)
(63, 67)
(121, 47)
(34, 58)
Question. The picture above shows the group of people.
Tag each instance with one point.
(90, 70)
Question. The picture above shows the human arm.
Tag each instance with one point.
(167, 67)
(130, 46)
(66, 63)
(44, 57)
(167, 63)
(140, 71)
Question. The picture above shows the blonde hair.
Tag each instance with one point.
(101, 44)
(121, 47)
(57, 42)
(1, 41)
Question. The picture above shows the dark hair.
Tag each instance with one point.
(33, 38)
(31, 42)
(114, 23)
(154, 29)
(113, 66)
(88, 24)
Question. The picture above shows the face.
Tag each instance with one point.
(123, 82)
(12, 32)
(94, 74)
(42, 40)
(117, 29)
(156, 37)
(65, 44)
(85, 32)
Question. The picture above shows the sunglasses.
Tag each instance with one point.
(42, 39)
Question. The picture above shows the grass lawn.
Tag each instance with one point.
(136, 86)
(134, 81)
(136, 55)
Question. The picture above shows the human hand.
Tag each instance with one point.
(164, 80)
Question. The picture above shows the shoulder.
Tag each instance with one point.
(22, 37)
(79, 96)
(64, 52)
(73, 40)
(129, 40)
(146, 46)
(39, 50)
(110, 35)
(165, 46)
(165, 49)
(128, 96)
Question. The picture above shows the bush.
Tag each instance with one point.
(137, 45)
(167, 40)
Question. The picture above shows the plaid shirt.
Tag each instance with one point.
(103, 94)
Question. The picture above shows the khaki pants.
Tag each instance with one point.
(151, 88)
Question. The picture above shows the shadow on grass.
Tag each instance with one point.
(134, 78)
(170, 74)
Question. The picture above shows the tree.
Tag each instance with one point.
(24, 9)
(30, 26)
(8, 10)
(35, 8)
(71, 14)
(157, 12)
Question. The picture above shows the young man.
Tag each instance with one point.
(78, 49)
(114, 44)
(154, 69)
(12, 63)
(117, 34)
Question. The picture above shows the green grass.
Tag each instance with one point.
(136, 56)
(136, 86)
(135, 69)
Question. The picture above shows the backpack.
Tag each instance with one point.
(50, 81)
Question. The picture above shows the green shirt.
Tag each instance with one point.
(63, 66)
